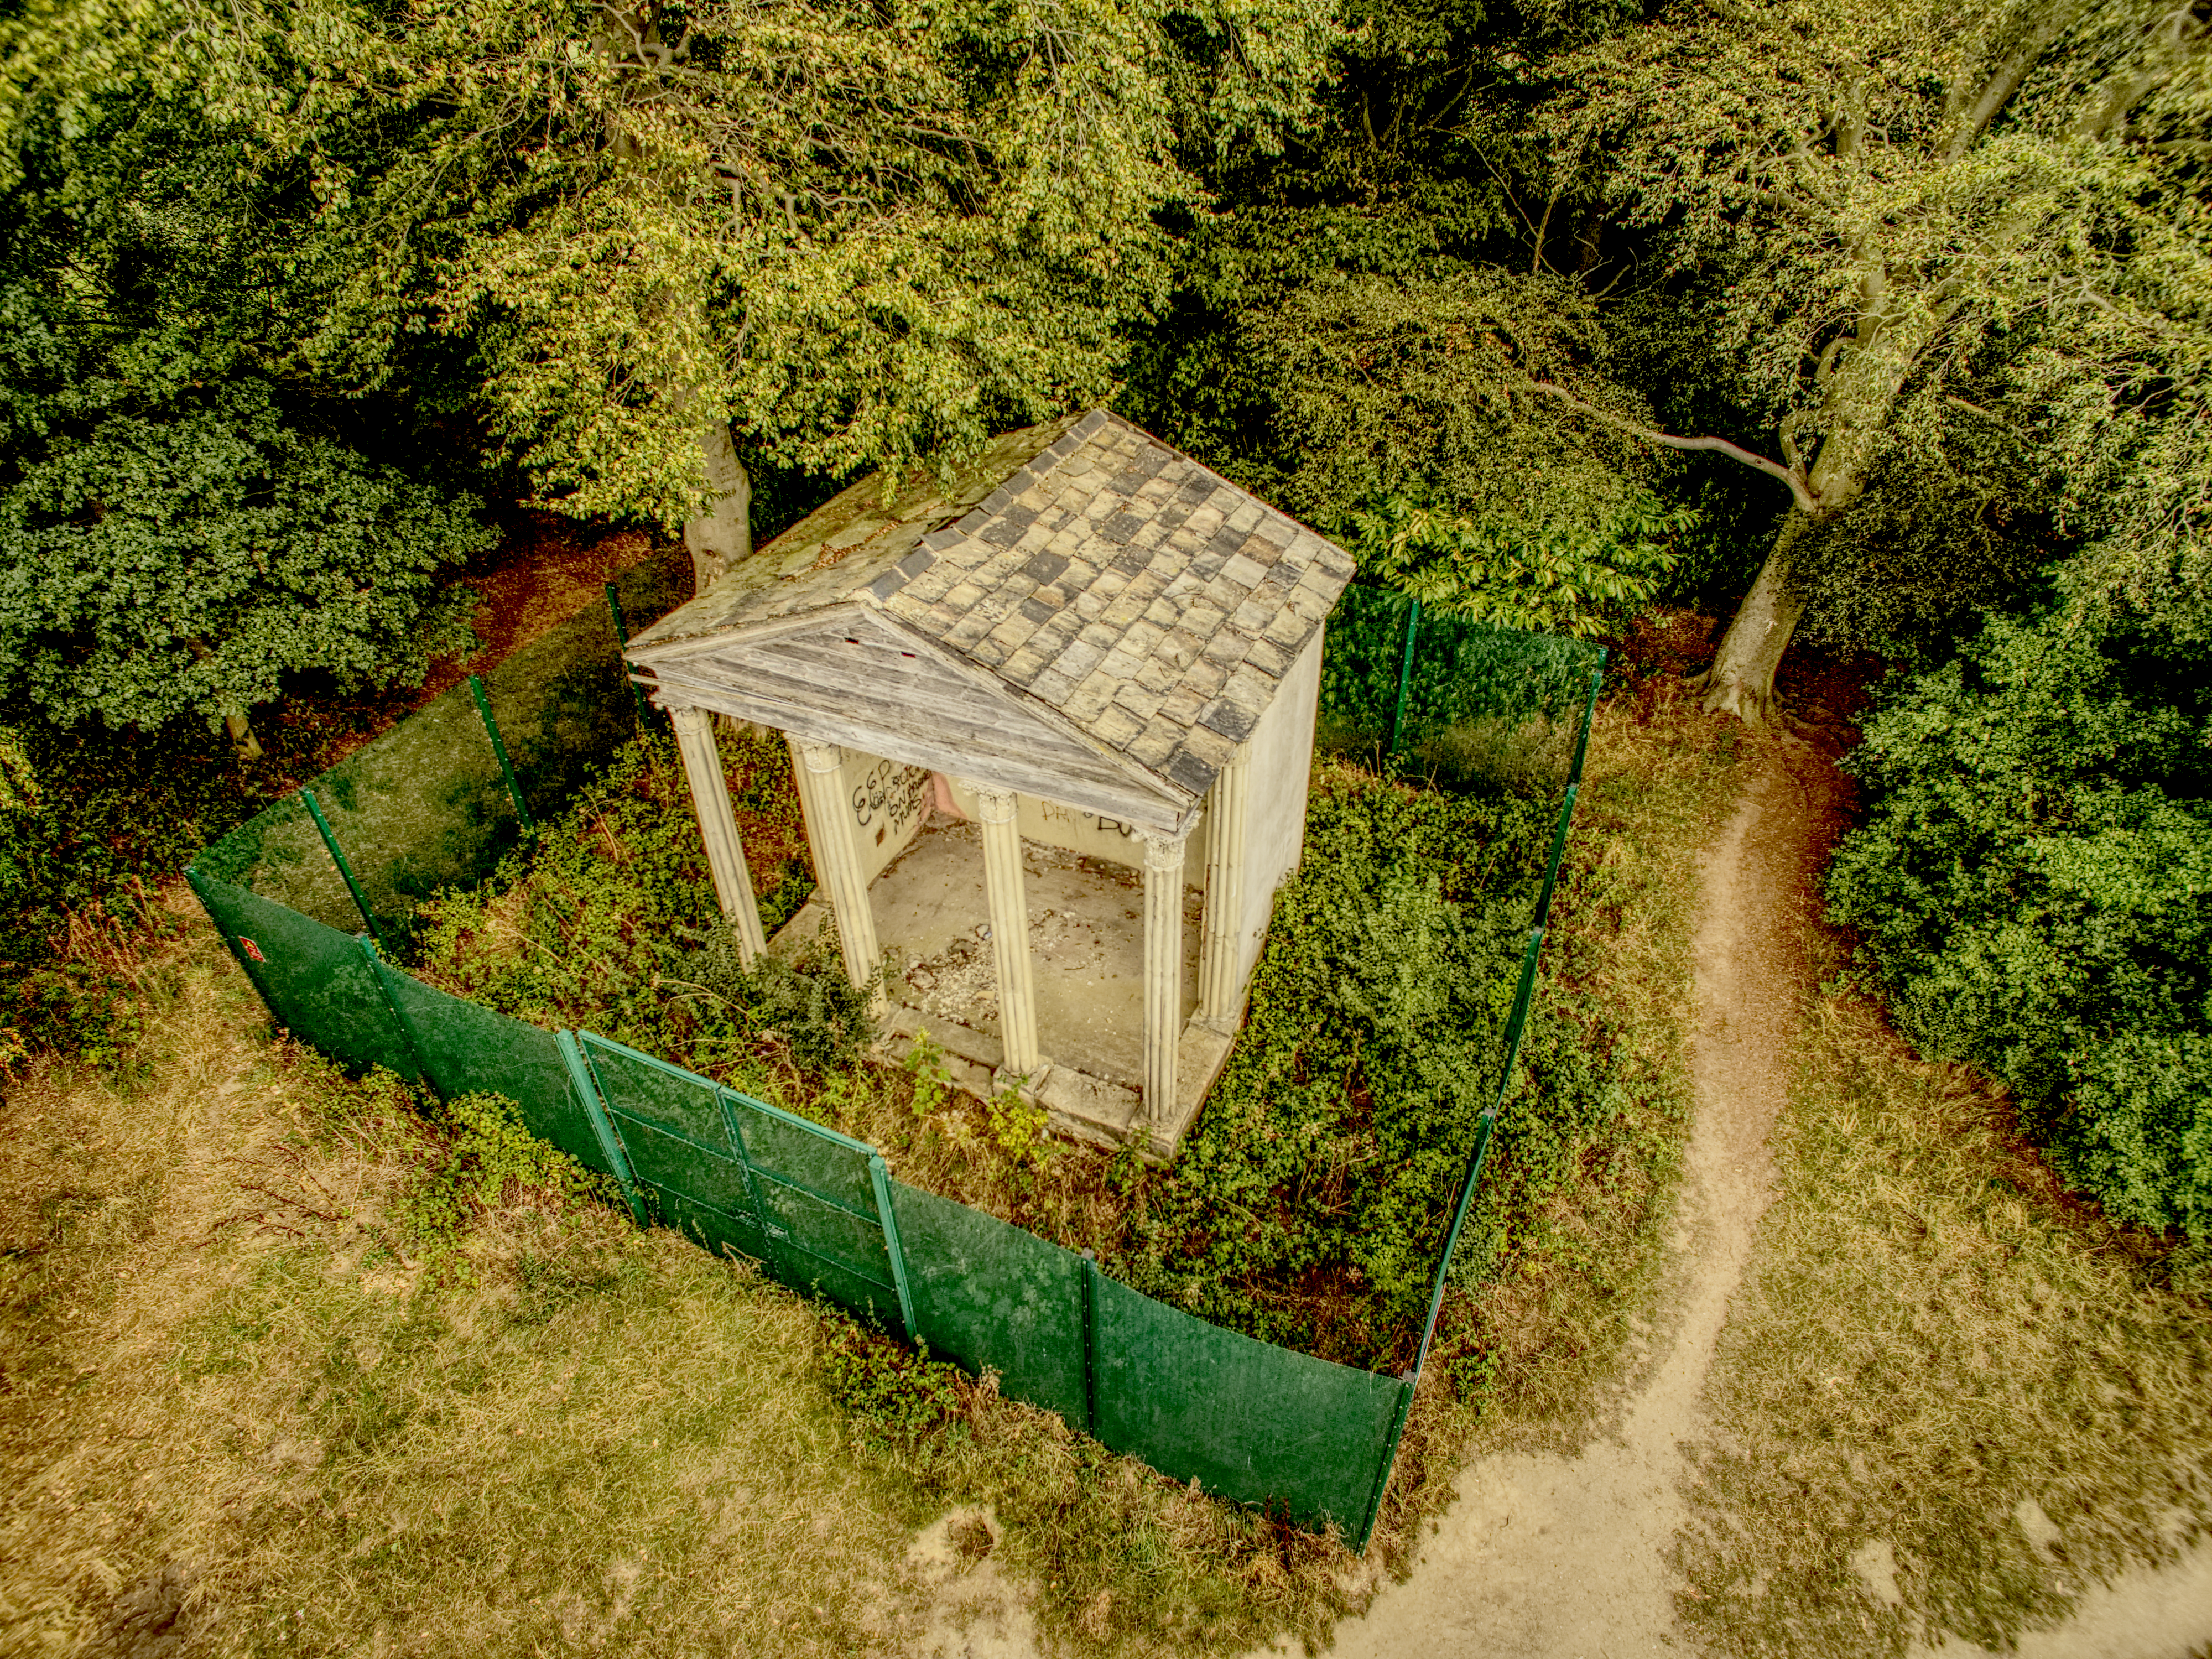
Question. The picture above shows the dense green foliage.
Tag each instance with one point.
(2034, 887)
(192, 513)
(857, 235)
(187, 561)
(1510, 573)
(1330, 1152)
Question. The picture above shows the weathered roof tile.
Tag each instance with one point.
(1150, 604)
(1244, 571)
(1152, 746)
(1116, 725)
(1233, 720)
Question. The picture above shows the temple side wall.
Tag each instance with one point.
(888, 804)
(1282, 762)
(1050, 825)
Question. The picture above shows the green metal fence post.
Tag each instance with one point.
(1407, 1383)
(622, 639)
(499, 750)
(338, 858)
(1590, 710)
(1567, 804)
(377, 970)
(1090, 1341)
(1405, 674)
(879, 1174)
(1514, 1027)
(587, 1089)
(1558, 852)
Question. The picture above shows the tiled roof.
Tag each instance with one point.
(1148, 602)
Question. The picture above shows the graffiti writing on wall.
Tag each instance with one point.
(890, 797)
(1111, 826)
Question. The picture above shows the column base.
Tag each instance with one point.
(1092, 1110)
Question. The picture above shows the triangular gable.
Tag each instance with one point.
(850, 676)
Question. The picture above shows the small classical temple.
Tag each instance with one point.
(1052, 723)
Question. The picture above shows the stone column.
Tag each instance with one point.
(1010, 927)
(717, 827)
(1163, 973)
(836, 855)
(1220, 990)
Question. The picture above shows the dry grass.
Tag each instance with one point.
(1940, 1358)
(242, 1414)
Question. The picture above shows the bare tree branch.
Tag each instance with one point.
(2006, 80)
(1798, 489)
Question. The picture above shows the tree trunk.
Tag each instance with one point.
(241, 737)
(1740, 682)
(723, 535)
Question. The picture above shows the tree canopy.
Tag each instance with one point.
(858, 235)
(1955, 256)
(187, 513)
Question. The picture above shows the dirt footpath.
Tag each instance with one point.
(1547, 1554)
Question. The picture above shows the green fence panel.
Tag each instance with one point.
(817, 1192)
(997, 1298)
(314, 978)
(1248, 1420)
(1474, 704)
(426, 805)
(468, 1049)
(740, 1174)
(680, 1147)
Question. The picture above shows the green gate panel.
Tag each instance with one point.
(467, 1049)
(679, 1146)
(805, 1155)
(818, 1197)
(672, 1100)
(719, 1232)
(1255, 1423)
(738, 1174)
(996, 1299)
(677, 1165)
(316, 980)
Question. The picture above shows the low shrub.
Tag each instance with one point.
(897, 1394)
(2033, 886)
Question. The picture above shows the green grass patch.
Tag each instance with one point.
(250, 1404)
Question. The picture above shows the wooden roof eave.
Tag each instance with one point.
(1172, 807)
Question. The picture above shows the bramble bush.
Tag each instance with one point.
(1325, 1165)
(2033, 887)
